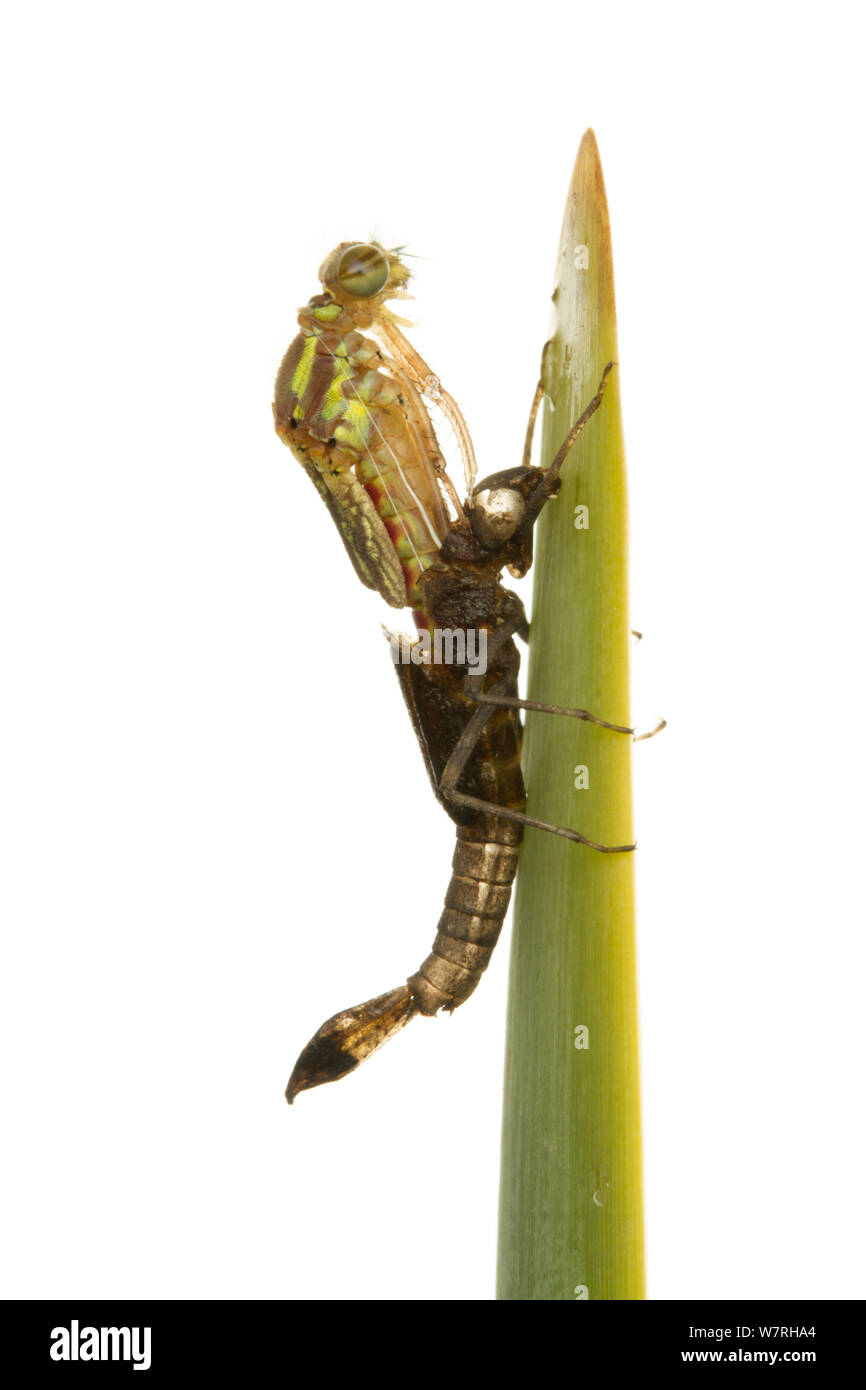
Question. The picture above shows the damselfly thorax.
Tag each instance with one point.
(350, 407)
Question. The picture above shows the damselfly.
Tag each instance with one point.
(349, 402)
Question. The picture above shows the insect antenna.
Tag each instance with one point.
(552, 473)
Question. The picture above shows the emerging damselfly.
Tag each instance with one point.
(351, 407)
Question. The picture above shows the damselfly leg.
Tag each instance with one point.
(516, 623)
(463, 750)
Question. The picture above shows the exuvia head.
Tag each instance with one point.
(503, 509)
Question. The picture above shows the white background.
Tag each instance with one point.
(217, 827)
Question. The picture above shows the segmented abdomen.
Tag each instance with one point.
(475, 907)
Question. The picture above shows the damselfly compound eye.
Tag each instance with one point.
(495, 514)
(363, 270)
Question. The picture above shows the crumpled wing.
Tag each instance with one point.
(365, 537)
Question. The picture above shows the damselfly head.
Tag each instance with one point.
(363, 270)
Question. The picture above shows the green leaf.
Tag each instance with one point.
(571, 1218)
